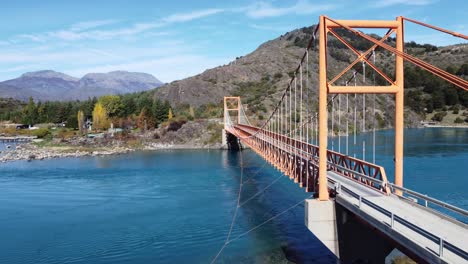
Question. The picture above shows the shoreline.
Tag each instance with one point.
(29, 151)
(445, 126)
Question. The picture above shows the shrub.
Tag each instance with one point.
(380, 120)
(278, 75)
(65, 133)
(459, 120)
(8, 131)
(41, 132)
(175, 125)
(439, 116)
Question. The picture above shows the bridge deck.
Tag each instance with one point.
(412, 224)
(430, 235)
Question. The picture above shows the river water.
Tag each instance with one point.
(177, 206)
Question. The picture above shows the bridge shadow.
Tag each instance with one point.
(286, 232)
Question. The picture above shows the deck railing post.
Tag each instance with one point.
(441, 247)
(392, 220)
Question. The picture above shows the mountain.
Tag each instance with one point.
(273, 62)
(49, 85)
(261, 76)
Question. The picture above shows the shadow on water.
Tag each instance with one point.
(286, 232)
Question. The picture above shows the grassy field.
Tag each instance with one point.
(449, 119)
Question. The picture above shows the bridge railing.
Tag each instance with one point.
(427, 200)
(367, 173)
(394, 218)
(359, 170)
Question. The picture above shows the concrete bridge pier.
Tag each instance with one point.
(344, 234)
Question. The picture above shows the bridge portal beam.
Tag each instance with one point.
(392, 89)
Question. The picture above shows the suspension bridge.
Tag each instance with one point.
(354, 209)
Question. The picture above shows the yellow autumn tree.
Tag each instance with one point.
(191, 112)
(170, 115)
(81, 122)
(100, 120)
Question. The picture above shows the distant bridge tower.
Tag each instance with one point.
(232, 108)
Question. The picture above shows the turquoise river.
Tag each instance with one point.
(176, 206)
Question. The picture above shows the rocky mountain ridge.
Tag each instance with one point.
(48, 85)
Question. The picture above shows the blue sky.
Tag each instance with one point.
(176, 39)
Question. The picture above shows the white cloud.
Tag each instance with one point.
(91, 24)
(87, 55)
(30, 37)
(184, 17)
(71, 34)
(386, 3)
(90, 29)
(301, 7)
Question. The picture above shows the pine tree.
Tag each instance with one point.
(30, 112)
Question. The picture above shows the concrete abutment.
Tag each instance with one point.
(344, 234)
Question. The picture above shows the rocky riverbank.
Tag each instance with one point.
(33, 152)
(201, 134)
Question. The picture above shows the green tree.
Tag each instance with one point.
(30, 112)
(463, 70)
(438, 99)
(451, 96)
(161, 110)
(452, 70)
(129, 106)
(72, 121)
(112, 104)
